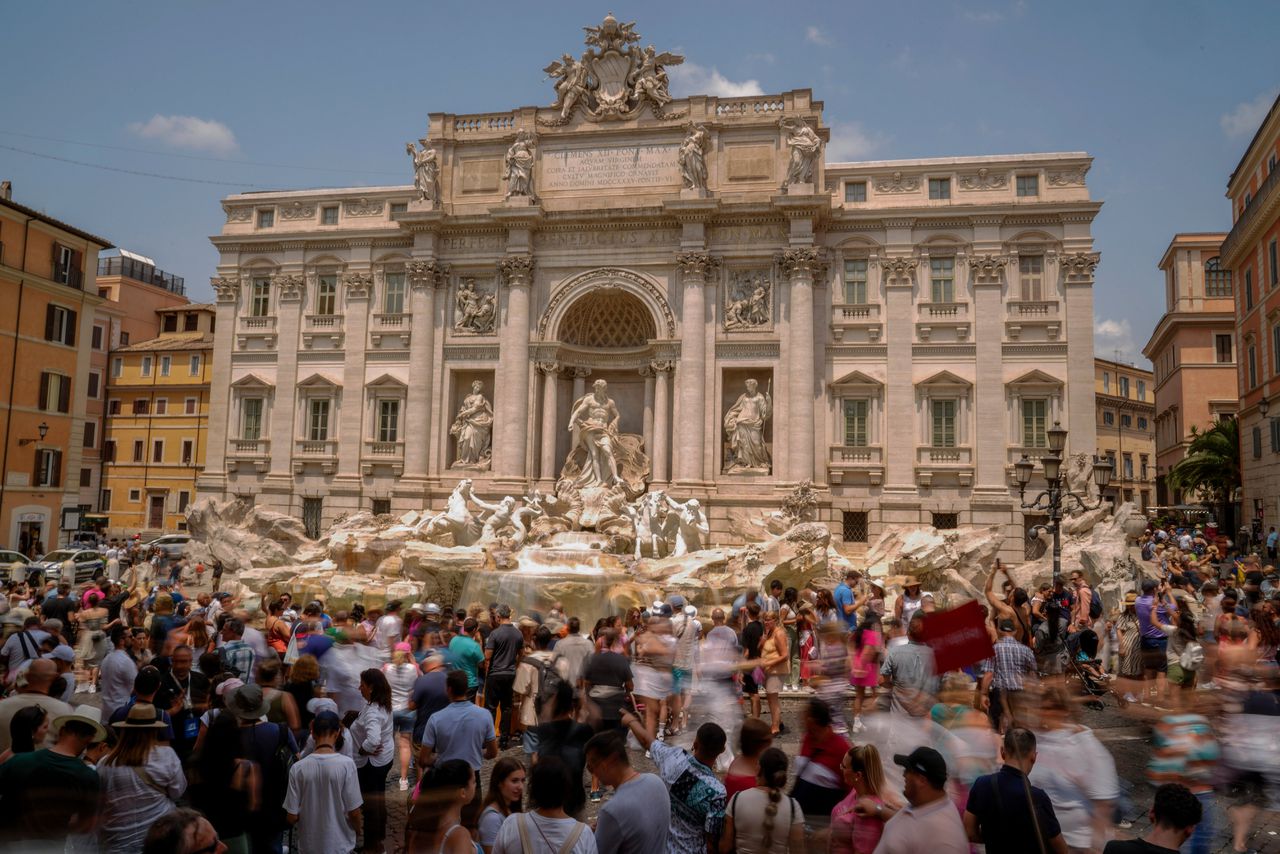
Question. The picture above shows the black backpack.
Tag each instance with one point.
(1095, 605)
(548, 683)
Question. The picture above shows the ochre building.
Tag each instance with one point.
(1126, 413)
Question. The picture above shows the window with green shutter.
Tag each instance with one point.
(855, 423)
(944, 423)
(1035, 420)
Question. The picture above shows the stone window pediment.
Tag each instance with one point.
(251, 381)
(857, 382)
(319, 382)
(944, 380)
(1036, 379)
(387, 384)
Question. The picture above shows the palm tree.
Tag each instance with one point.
(1211, 468)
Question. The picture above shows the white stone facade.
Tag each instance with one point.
(946, 328)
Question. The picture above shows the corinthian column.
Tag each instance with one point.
(511, 427)
(659, 469)
(801, 265)
(424, 278)
(550, 378)
(695, 270)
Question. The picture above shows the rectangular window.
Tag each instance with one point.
(190, 322)
(86, 477)
(393, 295)
(48, 467)
(117, 367)
(381, 506)
(99, 335)
(944, 423)
(1028, 185)
(162, 406)
(1142, 422)
(1126, 420)
(1274, 423)
(326, 295)
(1127, 460)
(135, 495)
(399, 207)
(251, 418)
(113, 407)
(66, 265)
(855, 191)
(1217, 280)
(266, 218)
(1257, 442)
(1253, 367)
(942, 273)
(318, 420)
(145, 370)
(170, 323)
(1124, 386)
(1108, 418)
(260, 300)
(855, 423)
(329, 215)
(60, 325)
(1222, 344)
(166, 364)
(184, 498)
(157, 451)
(312, 513)
(189, 406)
(95, 385)
(388, 420)
(1275, 353)
(1142, 389)
(1271, 164)
(939, 188)
(193, 367)
(1031, 277)
(853, 524)
(1035, 423)
(139, 450)
(90, 434)
(104, 500)
(141, 406)
(946, 521)
(855, 281)
(1143, 462)
(55, 392)
(108, 450)
(188, 451)
(1271, 258)
(1248, 289)
(1106, 383)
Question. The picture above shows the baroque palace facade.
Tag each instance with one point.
(913, 326)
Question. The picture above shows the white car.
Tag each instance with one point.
(173, 545)
(87, 563)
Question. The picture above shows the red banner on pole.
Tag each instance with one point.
(958, 637)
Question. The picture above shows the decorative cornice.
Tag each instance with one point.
(364, 207)
(900, 222)
(516, 270)
(987, 268)
(424, 274)
(1068, 177)
(358, 285)
(802, 261)
(290, 286)
(239, 213)
(298, 210)
(1079, 266)
(226, 290)
(984, 179)
(898, 183)
(697, 265)
(898, 269)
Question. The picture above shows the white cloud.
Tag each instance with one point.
(850, 141)
(1245, 117)
(694, 79)
(1112, 335)
(188, 132)
(816, 36)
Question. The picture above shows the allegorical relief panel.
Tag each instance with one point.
(474, 308)
(748, 300)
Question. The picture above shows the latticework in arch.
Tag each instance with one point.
(607, 319)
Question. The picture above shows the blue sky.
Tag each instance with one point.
(1165, 96)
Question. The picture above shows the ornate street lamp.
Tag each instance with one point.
(1057, 497)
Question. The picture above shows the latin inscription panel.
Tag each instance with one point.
(612, 167)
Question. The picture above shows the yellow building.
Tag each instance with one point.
(1125, 399)
(157, 423)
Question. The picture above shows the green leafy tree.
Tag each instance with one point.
(1211, 468)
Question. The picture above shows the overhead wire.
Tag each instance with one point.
(132, 171)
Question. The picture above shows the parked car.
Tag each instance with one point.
(173, 545)
(88, 564)
(8, 558)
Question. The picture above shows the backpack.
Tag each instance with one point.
(1095, 605)
(1192, 657)
(548, 683)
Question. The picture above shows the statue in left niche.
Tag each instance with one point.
(517, 166)
(426, 172)
(692, 158)
(474, 311)
(473, 430)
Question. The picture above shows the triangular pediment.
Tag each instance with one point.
(856, 378)
(251, 381)
(318, 381)
(1036, 377)
(386, 381)
(944, 378)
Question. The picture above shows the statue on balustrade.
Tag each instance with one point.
(426, 172)
(692, 158)
(744, 431)
(473, 429)
(517, 166)
(805, 144)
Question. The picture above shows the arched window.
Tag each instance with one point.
(1217, 279)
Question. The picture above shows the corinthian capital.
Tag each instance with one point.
(987, 268)
(290, 285)
(226, 290)
(427, 274)
(697, 264)
(802, 261)
(516, 270)
(1079, 265)
(358, 285)
(899, 268)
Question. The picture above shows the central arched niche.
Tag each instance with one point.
(607, 319)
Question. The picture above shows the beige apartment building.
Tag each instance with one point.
(1126, 415)
(1192, 350)
(903, 331)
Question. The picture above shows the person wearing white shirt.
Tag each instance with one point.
(389, 629)
(372, 734)
(323, 798)
(118, 670)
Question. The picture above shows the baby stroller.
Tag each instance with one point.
(1086, 668)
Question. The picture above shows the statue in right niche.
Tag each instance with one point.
(744, 431)
(472, 429)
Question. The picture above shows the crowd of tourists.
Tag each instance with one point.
(140, 718)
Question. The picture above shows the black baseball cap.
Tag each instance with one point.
(926, 762)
